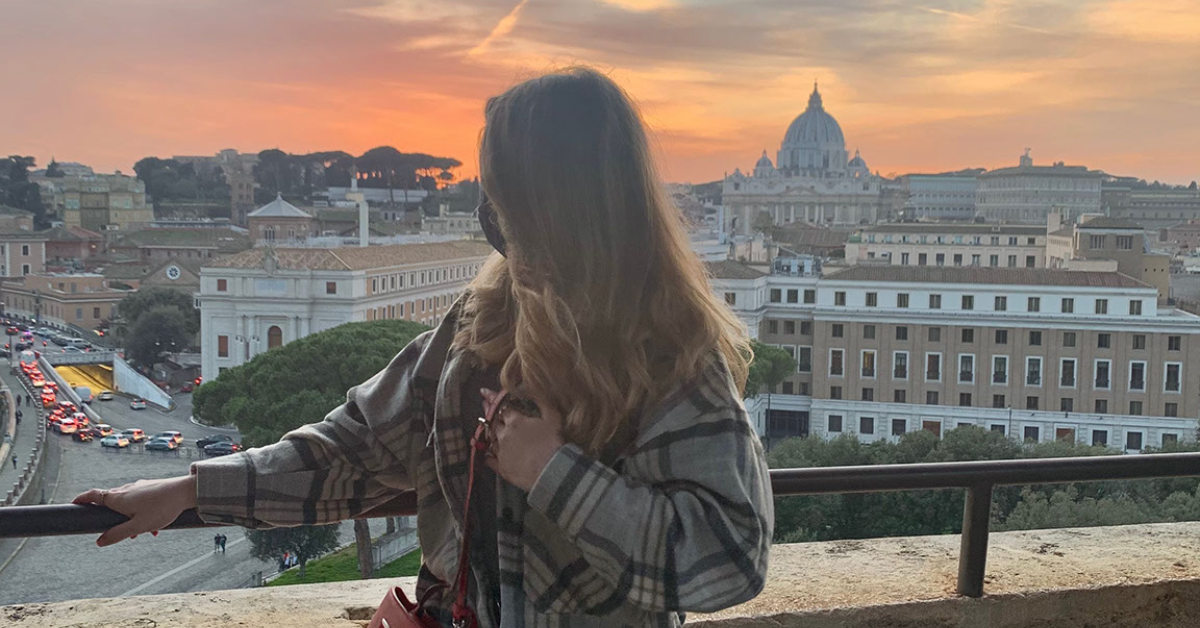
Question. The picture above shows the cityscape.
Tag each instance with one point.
(903, 308)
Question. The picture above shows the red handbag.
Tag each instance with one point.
(396, 610)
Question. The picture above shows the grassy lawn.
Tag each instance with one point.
(343, 565)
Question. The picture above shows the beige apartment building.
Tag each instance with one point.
(103, 202)
(22, 253)
(1105, 243)
(1037, 354)
(949, 244)
(85, 300)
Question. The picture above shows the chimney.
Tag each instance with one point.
(364, 228)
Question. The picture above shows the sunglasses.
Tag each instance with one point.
(490, 224)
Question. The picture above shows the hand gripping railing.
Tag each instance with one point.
(978, 478)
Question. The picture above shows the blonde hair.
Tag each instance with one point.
(600, 307)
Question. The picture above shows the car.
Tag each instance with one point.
(103, 429)
(105, 395)
(175, 437)
(222, 449)
(11, 330)
(43, 332)
(84, 436)
(135, 435)
(66, 426)
(210, 440)
(70, 349)
(47, 399)
(22, 345)
(81, 419)
(60, 340)
(137, 404)
(116, 440)
(162, 444)
(187, 387)
(80, 343)
(37, 380)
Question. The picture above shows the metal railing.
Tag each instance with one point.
(977, 478)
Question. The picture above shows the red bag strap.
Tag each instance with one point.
(463, 615)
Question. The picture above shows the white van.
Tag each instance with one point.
(85, 393)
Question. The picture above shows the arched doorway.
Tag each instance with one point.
(274, 337)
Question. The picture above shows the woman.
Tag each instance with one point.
(632, 489)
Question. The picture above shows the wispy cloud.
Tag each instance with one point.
(502, 28)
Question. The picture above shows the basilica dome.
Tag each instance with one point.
(813, 145)
(815, 126)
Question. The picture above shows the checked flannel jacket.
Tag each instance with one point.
(681, 522)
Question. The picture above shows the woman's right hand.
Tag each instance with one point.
(151, 505)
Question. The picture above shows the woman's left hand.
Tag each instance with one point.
(522, 445)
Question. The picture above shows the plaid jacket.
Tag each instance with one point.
(682, 522)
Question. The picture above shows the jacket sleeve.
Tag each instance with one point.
(695, 536)
(351, 462)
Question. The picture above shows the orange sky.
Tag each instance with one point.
(917, 86)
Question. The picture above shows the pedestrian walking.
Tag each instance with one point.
(223, 539)
(216, 542)
(18, 401)
(14, 461)
(18, 414)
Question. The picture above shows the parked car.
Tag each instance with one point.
(176, 437)
(187, 387)
(222, 449)
(84, 436)
(105, 395)
(162, 444)
(211, 440)
(135, 435)
(137, 404)
(103, 429)
(60, 339)
(116, 440)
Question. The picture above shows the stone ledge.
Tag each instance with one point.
(1115, 577)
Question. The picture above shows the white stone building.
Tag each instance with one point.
(1029, 193)
(947, 196)
(949, 244)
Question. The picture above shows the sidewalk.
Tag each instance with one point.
(25, 438)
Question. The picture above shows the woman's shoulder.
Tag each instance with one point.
(707, 401)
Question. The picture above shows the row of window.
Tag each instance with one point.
(999, 303)
(958, 239)
(1134, 439)
(966, 370)
(395, 281)
(967, 335)
(397, 310)
(999, 401)
(1124, 243)
(940, 259)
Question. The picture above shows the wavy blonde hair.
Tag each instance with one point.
(600, 307)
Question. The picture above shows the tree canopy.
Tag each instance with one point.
(300, 382)
(305, 542)
(16, 190)
(155, 321)
(300, 175)
(54, 171)
(770, 367)
(170, 180)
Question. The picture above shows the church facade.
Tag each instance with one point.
(812, 180)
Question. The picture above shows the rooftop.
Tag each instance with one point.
(356, 258)
(1107, 222)
(6, 210)
(950, 227)
(224, 240)
(804, 235)
(278, 208)
(71, 234)
(986, 276)
(729, 269)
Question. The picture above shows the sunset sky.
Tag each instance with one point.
(918, 86)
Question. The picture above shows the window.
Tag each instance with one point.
(839, 298)
(899, 396)
(1032, 432)
(1135, 307)
(993, 260)
(1103, 341)
(900, 365)
(793, 296)
(789, 388)
(25, 269)
(1012, 261)
(1001, 304)
(868, 363)
(1000, 369)
(933, 367)
(1096, 241)
(835, 423)
(931, 398)
(810, 296)
(1066, 377)
(1101, 406)
(78, 313)
(872, 299)
(835, 392)
(222, 285)
(899, 427)
(1033, 371)
(773, 327)
(222, 346)
(1135, 408)
(868, 394)
(804, 359)
(805, 328)
(274, 337)
(1034, 304)
(731, 298)
(968, 335)
(935, 334)
(1066, 404)
(1139, 342)
(1012, 240)
(1103, 370)
(1001, 336)
(330, 287)
(1169, 439)
(998, 427)
(1068, 305)
(964, 399)
(935, 301)
(837, 366)
(958, 259)
(789, 328)
(868, 332)
(1171, 409)
(998, 401)
(966, 368)
(922, 259)
(1068, 339)
(975, 259)
(1137, 376)
(968, 302)
(901, 333)
(1174, 343)
(1171, 384)
(1100, 438)
(96, 313)
(1125, 242)
(940, 259)
(902, 300)
(25, 249)
(1030, 261)
(837, 330)
(866, 425)
(1133, 441)
(1102, 306)
(1035, 338)
(776, 295)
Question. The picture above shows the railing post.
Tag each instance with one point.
(972, 554)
